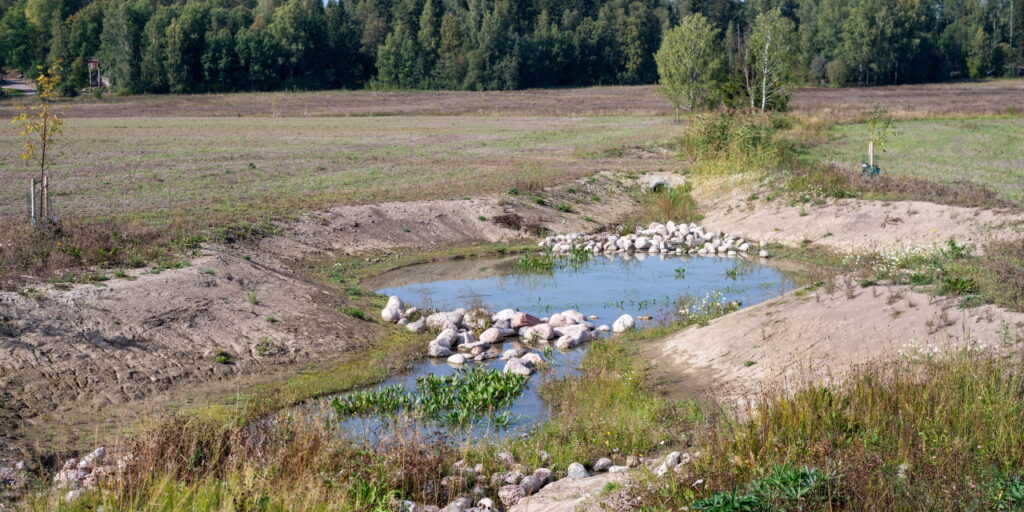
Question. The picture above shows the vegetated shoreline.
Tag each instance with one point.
(452, 226)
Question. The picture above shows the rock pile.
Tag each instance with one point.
(667, 238)
(472, 335)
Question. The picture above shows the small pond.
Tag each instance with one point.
(606, 286)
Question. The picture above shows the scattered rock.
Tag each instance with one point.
(531, 484)
(520, 320)
(511, 494)
(457, 359)
(516, 366)
(437, 350)
(533, 359)
(602, 464)
(545, 475)
(576, 470)
(623, 323)
(417, 327)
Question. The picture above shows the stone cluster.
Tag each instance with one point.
(465, 335)
(658, 238)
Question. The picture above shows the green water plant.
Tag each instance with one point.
(460, 399)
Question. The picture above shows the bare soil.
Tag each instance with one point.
(813, 336)
(967, 97)
(816, 336)
(861, 225)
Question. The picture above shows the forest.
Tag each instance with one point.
(170, 46)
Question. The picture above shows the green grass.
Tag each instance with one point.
(985, 151)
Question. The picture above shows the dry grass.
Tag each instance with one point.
(906, 101)
(936, 434)
(234, 169)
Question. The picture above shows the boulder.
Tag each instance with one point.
(457, 359)
(512, 353)
(390, 315)
(506, 458)
(516, 366)
(531, 484)
(439, 320)
(521, 320)
(573, 336)
(533, 359)
(461, 504)
(540, 332)
(576, 470)
(623, 323)
(437, 350)
(491, 335)
(417, 327)
(511, 494)
(602, 464)
(447, 338)
(575, 316)
(505, 314)
(559, 320)
(545, 475)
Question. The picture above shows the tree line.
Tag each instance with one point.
(176, 46)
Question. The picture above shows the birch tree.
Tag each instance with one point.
(770, 56)
(689, 63)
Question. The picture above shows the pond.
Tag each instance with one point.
(647, 287)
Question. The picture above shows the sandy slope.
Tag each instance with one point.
(855, 225)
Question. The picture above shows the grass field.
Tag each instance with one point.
(986, 151)
(237, 168)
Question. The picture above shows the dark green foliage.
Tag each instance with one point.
(192, 46)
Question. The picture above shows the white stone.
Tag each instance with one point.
(623, 323)
(576, 470)
(457, 359)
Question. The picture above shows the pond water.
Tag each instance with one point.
(607, 287)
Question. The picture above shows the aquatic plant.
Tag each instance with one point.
(459, 399)
(544, 261)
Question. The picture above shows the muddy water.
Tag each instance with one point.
(607, 287)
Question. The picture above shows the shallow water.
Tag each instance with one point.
(606, 286)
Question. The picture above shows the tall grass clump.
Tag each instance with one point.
(943, 434)
(676, 204)
(728, 141)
